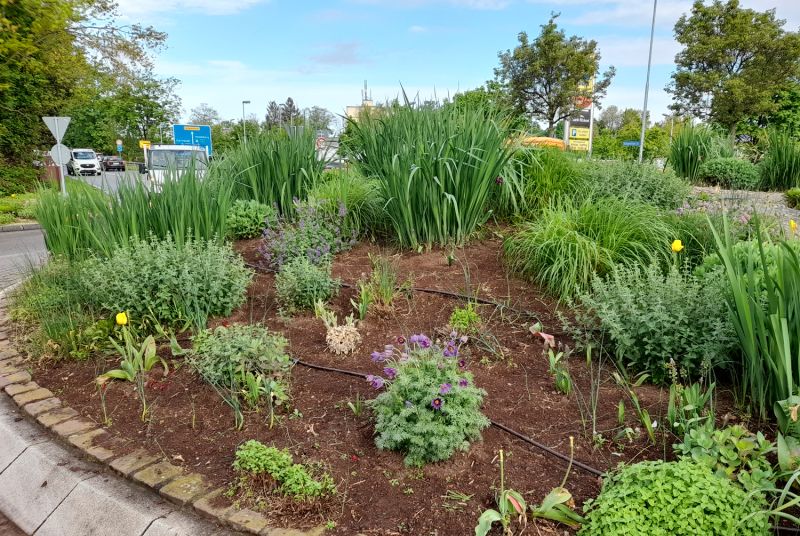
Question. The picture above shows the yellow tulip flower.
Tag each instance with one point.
(122, 319)
(677, 246)
(793, 226)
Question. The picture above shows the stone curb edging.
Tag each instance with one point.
(11, 227)
(189, 490)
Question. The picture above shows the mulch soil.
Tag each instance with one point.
(377, 494)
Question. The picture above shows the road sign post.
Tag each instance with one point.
(58, 126)
(193, 135)
(119, 148)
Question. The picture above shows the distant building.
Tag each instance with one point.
(353, 112)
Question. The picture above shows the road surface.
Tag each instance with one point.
(19, 250)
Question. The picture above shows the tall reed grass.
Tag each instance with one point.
(348, 191)
(693, 146)
(272, 168)
(780, 169)
(435, 168)
(90, 222)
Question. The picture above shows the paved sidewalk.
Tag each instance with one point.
(19, 250)
(46, 490)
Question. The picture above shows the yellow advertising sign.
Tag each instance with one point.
(144, 144)
(579, 145)
(578, 133)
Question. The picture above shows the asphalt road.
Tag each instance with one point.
(110, 180)
(19, 250)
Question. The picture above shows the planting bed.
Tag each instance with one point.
(377, 494)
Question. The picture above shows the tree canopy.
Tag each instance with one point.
(546, 77)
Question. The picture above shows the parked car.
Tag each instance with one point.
(112, 163)
(83, 162)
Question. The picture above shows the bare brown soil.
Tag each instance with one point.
(378, 495)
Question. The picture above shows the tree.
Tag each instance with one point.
(733, 62)
(610, 119)
(290, 113)
(548, 76)
(204, 114)
(147, 102)
(318, 119)
(273, 118)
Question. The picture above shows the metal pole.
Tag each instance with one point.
(591, 128)
(61, 181)
(647, 83)
(244, 125)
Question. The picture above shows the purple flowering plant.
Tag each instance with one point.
(311, 231)
(426, 393)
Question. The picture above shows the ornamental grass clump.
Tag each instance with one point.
(680, 498)
(435, 168)
(430, 407)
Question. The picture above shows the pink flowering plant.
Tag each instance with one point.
(430, 406)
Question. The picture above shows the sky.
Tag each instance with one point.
(321, 52)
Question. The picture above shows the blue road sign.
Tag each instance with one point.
(193, 135)
(119, 148)
(632, 143)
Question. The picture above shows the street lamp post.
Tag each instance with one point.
(244, 121)
(647, 83)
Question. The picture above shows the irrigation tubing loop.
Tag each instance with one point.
(496, 424)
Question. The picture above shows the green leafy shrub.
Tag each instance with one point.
(430, 408)
(435, 168)
(673, 499)
(644, 183)
(465, 319)
(694, 231)
(267, 469)
(300, 284)
(248, 218)
(730, 173)
(652, 318)
(314, 233)
(170, 284)
(693, 146)
(17, 179)
(733, 453)
(571, 241)
(792, 197)
(780, 168)
(363, 206)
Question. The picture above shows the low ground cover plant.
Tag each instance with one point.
(172, 284)
(244, 363)
(680, 498)
(731, 172)
(465, 319)
(430, 407)
(653, 318)
(792, 197)
(263, 470)
(312, 232)
(300, 284)
(341, 338)
(572, 241)
(248, 218)
(644, 183)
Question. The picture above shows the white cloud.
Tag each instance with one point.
(139, 8)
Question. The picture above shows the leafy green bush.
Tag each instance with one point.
(780, 168)
(733, 453)
(172, 285)
(260, 467)
(300, 284)
(792, 197)
(435, 168)
(17, 179)
(248, 218)
(314, 234)
(363, 206)
(430, 408)
(730, 173)
(465, 319)
(652, 318)
(570, 242)
(644, 183)
(673, 499)
(272, 168)
(694, 231)
(694, 145)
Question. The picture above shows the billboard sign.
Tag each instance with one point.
(193, 135)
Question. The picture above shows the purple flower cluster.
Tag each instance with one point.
(376, 381)
(420, 340)
(311, 231)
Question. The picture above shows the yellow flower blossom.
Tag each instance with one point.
(677, 246)
(793, 226)
(122, 319)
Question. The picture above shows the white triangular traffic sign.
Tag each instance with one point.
(57, 125)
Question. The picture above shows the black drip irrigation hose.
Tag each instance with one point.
(445, 293)
(496, 424)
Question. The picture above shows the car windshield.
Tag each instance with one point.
(83, 155)
(177, 159)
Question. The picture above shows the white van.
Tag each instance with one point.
(161, 160)
(83, 162)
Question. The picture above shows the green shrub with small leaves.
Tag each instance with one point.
(248, 218)
(644, 183)
(260, 467)
(300, 284)
(430, 409)
(732, 173)
(680, 498)
(465, 319)
(168, 283)
(793, 197)
(652, 318)
(733, 453)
